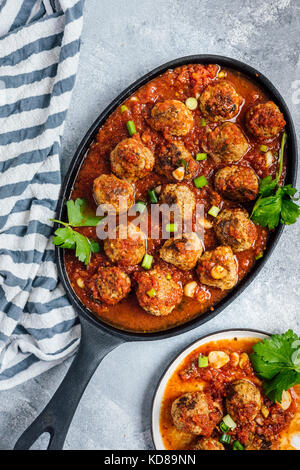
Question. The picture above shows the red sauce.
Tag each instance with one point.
(180, 84)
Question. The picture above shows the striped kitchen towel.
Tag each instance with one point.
(39, 51)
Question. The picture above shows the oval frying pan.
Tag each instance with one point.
(99, 338)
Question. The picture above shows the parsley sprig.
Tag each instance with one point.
(275, 203)
(277, 361)
(66, 237)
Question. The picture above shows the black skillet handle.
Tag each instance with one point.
(58, 414)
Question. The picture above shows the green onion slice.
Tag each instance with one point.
(191, 103)
(225, 438)
(202, 361)
(214, 211)
(223, 427)
(202, 122)
(263, 148)
(140, 206)
(200, 181)
(229, 422)
(171, 228)
(151, 293)
(147, 261)
(131, 128)
(152, 196)
(201, 156)
(237, 446)
(260, 255)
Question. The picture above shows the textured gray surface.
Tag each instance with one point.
(121, 41)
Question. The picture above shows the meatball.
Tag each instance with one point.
(157, 292)
(128, 248)
(218, 268)
(108, 189)
(226, 143)
(181, 196)
(183, 252)
(219, 101)
(238, 183)
(196, 413)
(110, 285)
(131, 160)
(264, 120)
(173, 155)
(243, 401)
(208, 443)
(234, 228)
(173, 117)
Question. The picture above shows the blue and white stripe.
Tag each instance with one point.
(39, 52)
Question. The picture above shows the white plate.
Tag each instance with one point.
(226, 334)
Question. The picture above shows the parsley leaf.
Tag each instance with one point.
(275, 204)
(77, 217)
(277, 361)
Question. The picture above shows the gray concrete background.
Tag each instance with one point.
(122, 40)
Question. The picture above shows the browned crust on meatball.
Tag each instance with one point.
(172, 155)
(108, 189)
(222, 257)
(168, 293)
(110, 285)
(126, 251)
(219, 101)
(226, 143)
(234, 228)
(243, 401)
(180, 195)
(131, 160)
(183, 252)
(173, 117)
(208, 443)
(264, 120)
(237, 182)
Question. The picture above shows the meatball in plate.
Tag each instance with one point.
(238, 183)
(128, 248)
(112, 191)
(243, 401)
(220, 102)
(183, 252)
(218, 268)
(226, 143)
(196, 413)
(180, 196)
(131, 160)
(264, 120)
(172, 116)
(110, 285)
(174, 155)
(208, 443)
(157, 293)
(234, 228)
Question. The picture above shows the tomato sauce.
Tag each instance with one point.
(180, 83)
(271, 433)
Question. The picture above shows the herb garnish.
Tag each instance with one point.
(275, 203)
(277, 361)
(68, 238)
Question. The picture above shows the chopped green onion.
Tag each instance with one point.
(225, 438)
(201, 156)
(123, 108)
(191, 103)
(237, 446)
(151, 293)
(229, 422)
(171, 228)
(152, 196)
(260, 255)
(263, 148)
(202, 361)
(147, 261)
(184, 163)
(214, 211)
(131, 128)
(140, 206)
(200, 181)
(223, 427)
(202, 122)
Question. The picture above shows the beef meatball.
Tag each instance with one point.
(236, 182)
(157, 292)
(243, 401)
(208, 443)
(219, 101)
(128, 248)
(110, 285)
(131, 160)
(173, 155)
(173, 117)
(264, 120)
(218, 268)
(226, 143)
(183, 252)
(234, 228)
(196, 413)
(108, 189)
(181, 196)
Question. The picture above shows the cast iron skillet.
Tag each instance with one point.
(99, 338)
